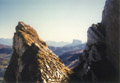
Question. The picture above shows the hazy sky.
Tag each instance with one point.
(57, 20)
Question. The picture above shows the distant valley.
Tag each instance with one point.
(5, 54)
(67, 52)
(71, 58)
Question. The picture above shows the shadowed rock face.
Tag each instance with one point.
(100, 59)
(110, 19)
(94, 65)
(32, 61)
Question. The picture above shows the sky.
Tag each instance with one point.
(56, 20)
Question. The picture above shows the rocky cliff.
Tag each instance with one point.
(100, 59)
(32, 61)
(110, 20)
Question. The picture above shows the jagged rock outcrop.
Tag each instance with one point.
(94, 65)
(32, 61)
(100, 59)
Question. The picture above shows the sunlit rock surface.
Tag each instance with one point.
(32, 61)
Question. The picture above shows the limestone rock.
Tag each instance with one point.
(32, 61)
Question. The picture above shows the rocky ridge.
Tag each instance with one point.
(94, 65)
(32, 61)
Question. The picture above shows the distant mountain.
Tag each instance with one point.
(60, 50)
(69, 54)
(8, 41)
(57, 44)
(70, 59)
(5, 41)
(4, 49)
(75, 42)
(4, 46)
